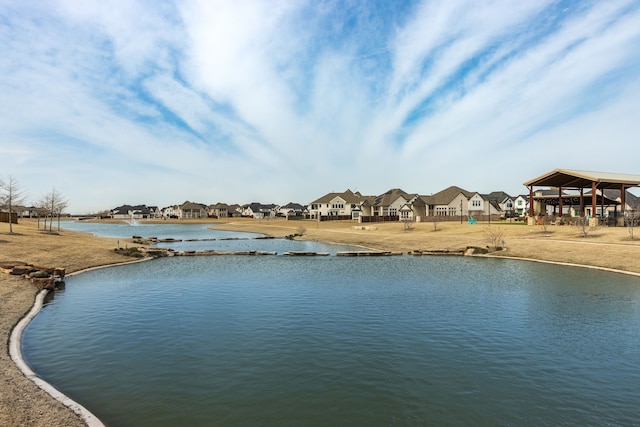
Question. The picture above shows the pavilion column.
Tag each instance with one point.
(622, 199)
(531, 200)
(594, 203)
(582, 202)
(560, 200)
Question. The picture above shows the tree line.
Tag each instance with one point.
(13, 196)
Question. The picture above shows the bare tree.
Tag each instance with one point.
(52, 204)
(435, 220)
(11, 194)
(632, 219)
(584, 226)
(495, 236)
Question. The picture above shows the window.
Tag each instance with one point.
(441, 211)
(393, 211)
(404, 214)
(452, 211)
(475, 203)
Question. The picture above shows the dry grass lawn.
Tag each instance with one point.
(22, 403)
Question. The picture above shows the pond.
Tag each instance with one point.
(317, 341)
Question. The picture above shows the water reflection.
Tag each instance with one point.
(345, 341)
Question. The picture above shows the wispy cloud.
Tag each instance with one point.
(278, 101)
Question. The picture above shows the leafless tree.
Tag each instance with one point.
(434, 219)
(584, 227)
(11, 194)
(632, 219)
(408, 224)
(495, 236)
(52, 204)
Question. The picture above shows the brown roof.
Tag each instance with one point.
(582, 179)
(348, 196)
(445, 196)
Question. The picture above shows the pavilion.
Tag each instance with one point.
(594, 182)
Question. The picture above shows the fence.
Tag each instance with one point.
(4, 217)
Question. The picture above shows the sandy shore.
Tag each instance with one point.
(22, 403)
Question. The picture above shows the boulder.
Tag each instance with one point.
(20, 270)
(43, 283)
(40, 274)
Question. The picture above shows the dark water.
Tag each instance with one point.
(331, 341)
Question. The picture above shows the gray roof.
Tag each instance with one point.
(497, 196)
(630, 198)
(390, 196)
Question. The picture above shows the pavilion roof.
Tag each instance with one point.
(567, 178)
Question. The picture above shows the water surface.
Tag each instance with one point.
(393, 341)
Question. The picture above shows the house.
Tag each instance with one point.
(169, 211)
(345, 205)
(128, 212)
(451, 202)
(521, 205)
(218, 210)
(234, 211)
(455, 202)
(259, 211)
(22, 211)
(503, 201)
(191, 210)
(613, 208)
(392, 205)
(291, 210)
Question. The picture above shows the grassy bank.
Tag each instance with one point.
(22, 403)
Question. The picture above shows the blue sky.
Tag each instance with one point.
(277, 101)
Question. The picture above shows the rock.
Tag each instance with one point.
(40, 274)
(43, 283)
(20, 270)
(8, 265)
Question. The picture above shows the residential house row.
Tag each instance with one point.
(194, 210)
(451, 204)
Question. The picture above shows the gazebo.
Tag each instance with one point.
(565, 179)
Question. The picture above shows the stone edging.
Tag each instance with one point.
(16, 354)
(566, 264)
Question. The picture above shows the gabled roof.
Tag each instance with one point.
(259, 207)
(445, 196)
(191, 206)
(219, 206)
(629, 198)
(497, 196)
(583, 179)
(125, 209)
(392, 195)
(348, 196)
(294, 206)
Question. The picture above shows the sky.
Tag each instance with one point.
(158, 102)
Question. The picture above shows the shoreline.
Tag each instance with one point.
(389, 239)
(15, 352)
